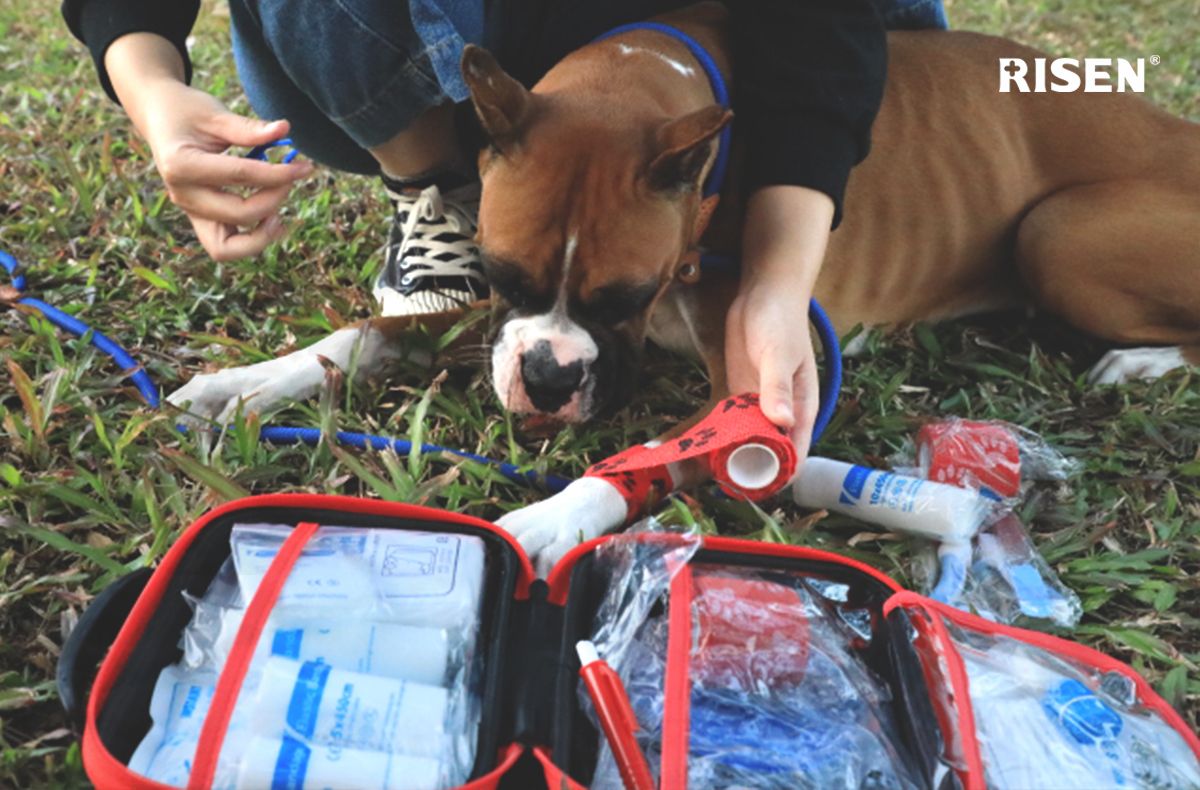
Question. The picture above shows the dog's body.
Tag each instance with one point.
(1084, 205)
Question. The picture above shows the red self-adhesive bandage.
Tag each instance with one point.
(746, 453)
(981, 455)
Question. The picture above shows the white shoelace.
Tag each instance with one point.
(429, 215)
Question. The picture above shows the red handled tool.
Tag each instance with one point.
(616, 716)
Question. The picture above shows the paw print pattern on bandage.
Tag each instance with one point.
(697, 440)
(744, 401)
(640, 474)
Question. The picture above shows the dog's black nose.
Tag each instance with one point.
(549, 384)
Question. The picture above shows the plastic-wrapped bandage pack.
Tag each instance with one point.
(779, 694)
(362, 674)
(999, 574)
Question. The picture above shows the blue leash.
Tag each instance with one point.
(274, 434)
(283, 434)
(140, 378)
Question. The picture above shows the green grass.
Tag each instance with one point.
(92, 484)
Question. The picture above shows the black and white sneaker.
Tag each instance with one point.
(432, 262)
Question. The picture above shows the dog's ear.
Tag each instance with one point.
(501, 102)
(683, 148)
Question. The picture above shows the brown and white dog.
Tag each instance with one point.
(1084, 205)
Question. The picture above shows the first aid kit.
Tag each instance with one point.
(305, 641)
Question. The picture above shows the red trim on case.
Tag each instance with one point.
(961, 690)
(1073, 650)
(560, 576)
(229, 684)
(677, 691)
(491, 780)
(107, 771)
(931, 652)
(556, 778)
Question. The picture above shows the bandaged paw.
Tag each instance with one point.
(547, 530)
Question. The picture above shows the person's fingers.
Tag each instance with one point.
(194, 166)
(229, 209)
(807, 401)
(226, 243)
(776, 387)
(241, 130)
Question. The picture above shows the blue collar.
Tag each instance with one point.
(716, 176)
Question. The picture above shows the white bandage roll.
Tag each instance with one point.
(270, 763)
(906, 504)
(397, 651)
(312, 702)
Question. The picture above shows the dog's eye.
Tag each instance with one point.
(615, 304)
(514, 296)
(510, 283)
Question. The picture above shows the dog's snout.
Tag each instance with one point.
(549, 384)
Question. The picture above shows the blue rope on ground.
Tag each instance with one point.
(70, 323)
(283, 434)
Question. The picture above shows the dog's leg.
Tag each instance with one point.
(367, 348)
(296, 376)
(1121, 261)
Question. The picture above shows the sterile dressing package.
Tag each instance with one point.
(351, 660)
(278, 645)
(1001, 576)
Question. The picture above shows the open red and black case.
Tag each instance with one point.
(533, 731)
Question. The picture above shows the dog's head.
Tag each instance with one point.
(588, 211)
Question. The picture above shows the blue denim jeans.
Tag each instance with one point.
(351, 74)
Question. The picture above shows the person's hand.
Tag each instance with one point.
(768, 350)
(188, 132)
(768, 346)
(233, 202)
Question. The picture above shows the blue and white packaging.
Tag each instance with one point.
(314, 703)
(943, 512)
(178, 707)
(290, 764)
(407, 652)
(1040, 725)
(413, 578)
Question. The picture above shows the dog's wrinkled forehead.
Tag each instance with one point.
(576, 226)
(584, 198)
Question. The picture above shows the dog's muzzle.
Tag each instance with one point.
(543, 365)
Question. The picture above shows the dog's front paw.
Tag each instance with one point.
(211, 397)
(547, 530)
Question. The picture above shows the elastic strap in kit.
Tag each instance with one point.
(229, 685)
(960, 690)
(677, 692)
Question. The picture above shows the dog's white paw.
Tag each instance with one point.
(547, 530)
(215, 396)
(1127, 364)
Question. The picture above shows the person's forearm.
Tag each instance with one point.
(784, 238)
(138, 64)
